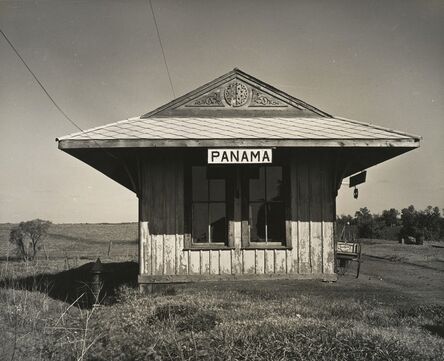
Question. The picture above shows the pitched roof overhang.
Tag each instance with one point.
(235, 110)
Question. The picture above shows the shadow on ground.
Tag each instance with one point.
(70, 285)
(437, 330)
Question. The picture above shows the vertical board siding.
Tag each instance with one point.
(329, 217)
(269, 261)
(293, 256)
(194, 266)
(303, 210)
(309, 225)
(143, 236)
(249, 260)
(205, 262)
(260, 261)
(280, 261)
(158, 254)
(214, 262)
(328, 250)
(236, 257)
(181, 257)
(294, 252)
(225, 262)
(169, 254)
(316, 200)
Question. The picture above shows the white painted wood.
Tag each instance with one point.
(181, 256)
(249, 258)
(328, 247)
(293, 257)
(225, 261)
(260, 261)
(269, 261)
(304, 247)
(214, 262)
(205, 262)
(158, 254)
(316, 246)
(236, 256)
(194, 262)
(280, 261)
(169, 255)
(145, 249)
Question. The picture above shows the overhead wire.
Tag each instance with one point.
(107, 152)
(40, 83)
(161, 47)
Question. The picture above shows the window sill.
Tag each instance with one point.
(266, 246)
(207, 247)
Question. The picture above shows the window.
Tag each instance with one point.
(264, 205)
(229, 204)
(209, 224)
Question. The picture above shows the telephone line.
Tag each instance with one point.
(40, 83)
(163, 51)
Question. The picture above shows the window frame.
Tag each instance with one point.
(189, 243)
(247, 243)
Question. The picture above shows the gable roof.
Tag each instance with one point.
(236, 93)
(253, 131)
(237, 109)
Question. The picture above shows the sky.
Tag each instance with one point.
(374, 61)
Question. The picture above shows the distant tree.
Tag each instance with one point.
(424, 224)
(429, 223)
(365, 224)
(28, 237)
(390, 217)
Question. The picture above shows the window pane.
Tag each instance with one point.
(274, 183)
(276, 222)
(217, 189)
(218, 222)
(257, 222)
(200, 183)
(200, 222)
(257, 186)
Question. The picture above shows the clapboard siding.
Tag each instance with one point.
(309, 224)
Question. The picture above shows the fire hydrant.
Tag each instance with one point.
(96, 281)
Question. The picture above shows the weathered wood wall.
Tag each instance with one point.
(310, 226)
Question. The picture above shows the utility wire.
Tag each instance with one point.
(68, 118)
(39, 83)
(163, 51)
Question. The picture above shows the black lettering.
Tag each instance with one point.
(214, 154)
(234, 155)
(224, 157)
(255, 156)
(245, 157)
(266, 157)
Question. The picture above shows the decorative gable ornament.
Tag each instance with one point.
(212, 99)
(261, 99)
(236, 94)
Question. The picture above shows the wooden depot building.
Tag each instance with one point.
(235, 180)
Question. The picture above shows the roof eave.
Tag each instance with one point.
(235, 142)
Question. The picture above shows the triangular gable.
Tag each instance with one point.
(240, 94)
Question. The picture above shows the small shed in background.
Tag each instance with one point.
(235, 180)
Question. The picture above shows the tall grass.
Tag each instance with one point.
(221, 324)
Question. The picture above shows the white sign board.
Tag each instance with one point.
(239, 156)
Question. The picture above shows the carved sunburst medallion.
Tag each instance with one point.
(236, 94)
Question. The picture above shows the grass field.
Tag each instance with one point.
(393, 311)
